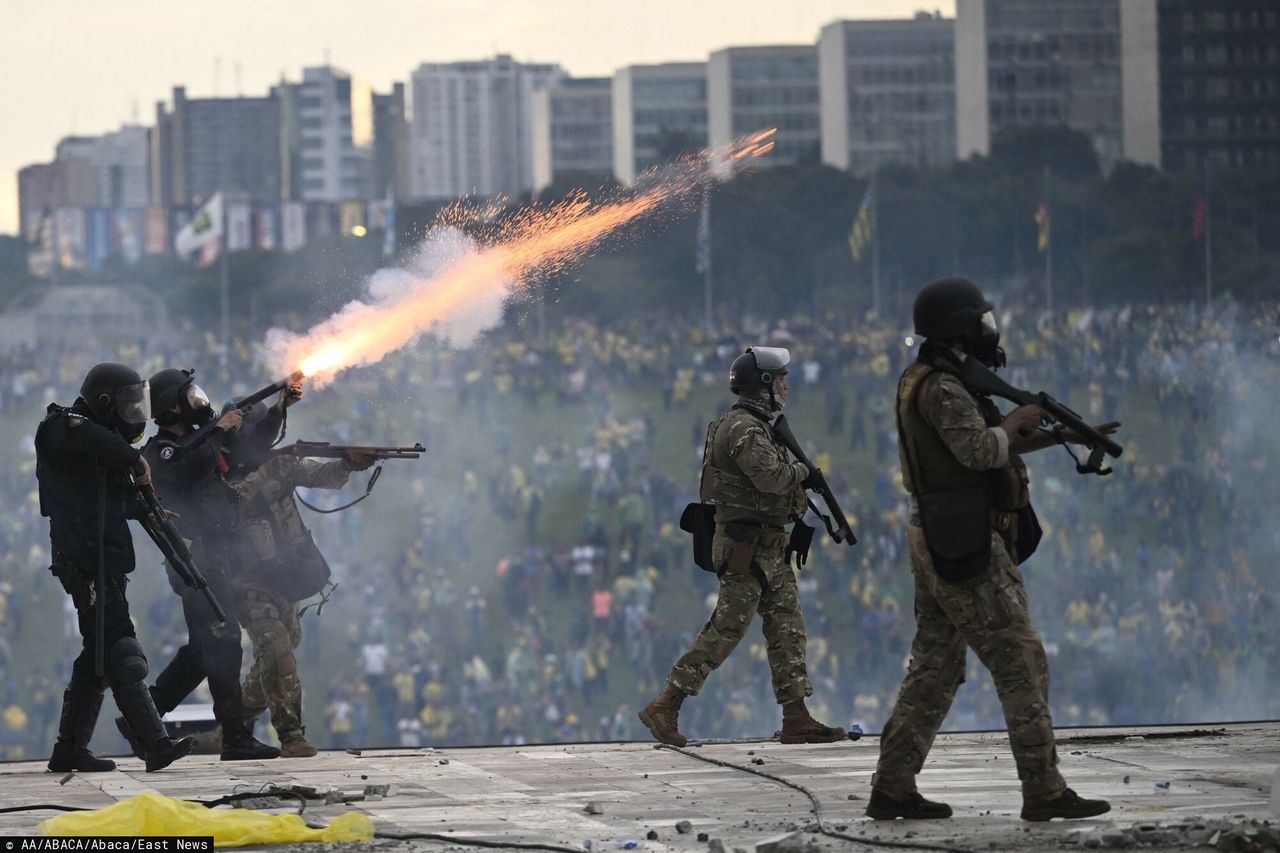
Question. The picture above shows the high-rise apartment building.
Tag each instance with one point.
(755, 88)
(1088, 64)
(470, 129)
(326, 140)
(1219, 84)
(659, 111)
(572, 130)
(206, 145)
(44, 187)
(888, 93)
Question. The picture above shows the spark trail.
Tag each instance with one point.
(536, 242)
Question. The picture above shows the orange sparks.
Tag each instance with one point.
(535, 242)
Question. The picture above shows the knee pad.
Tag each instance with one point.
(126, 662)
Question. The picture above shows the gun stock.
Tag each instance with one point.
(836, 523)
(160, 529)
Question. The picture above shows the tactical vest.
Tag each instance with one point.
(928, 465)
(724, 483)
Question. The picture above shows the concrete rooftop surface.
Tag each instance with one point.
(1169, 787)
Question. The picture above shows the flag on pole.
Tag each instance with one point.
(1042, 226)
(1201, 219)
(204, 229)
(703, 262)
(389, 227)
(863, 224)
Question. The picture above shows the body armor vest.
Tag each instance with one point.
(724, 482)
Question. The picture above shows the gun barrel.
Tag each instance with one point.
(261, 394)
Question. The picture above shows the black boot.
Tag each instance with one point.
(135, 745)
(239, 744)
(912, 807)
(1067, 804)
(147, 729)
(80, 706)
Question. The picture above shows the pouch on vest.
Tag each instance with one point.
(299, 572)
(699, 519)
(1029, 533)
(745, 537)
(957, 531)
(798, 544)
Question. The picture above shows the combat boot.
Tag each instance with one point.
(142, 727)
(296, 745)
(80, 708)
(1068, 805)
(660, 716)
(911, 807)
(799, 727)
(241, 745)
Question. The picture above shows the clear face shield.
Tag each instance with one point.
(196, 404)
(772, 360)
(989, 351)
(133, 408)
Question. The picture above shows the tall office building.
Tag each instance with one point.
(572, 130)
(120, 161)
(1219, 84)
(756, 88)
(658, 111)
(1088, 64)
(44, 187)
(888, 93)
(471, 130)
(206, 145)
(327, 142)
(390, 144)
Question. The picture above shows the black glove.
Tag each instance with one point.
(813, 480)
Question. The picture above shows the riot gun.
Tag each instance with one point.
(325, 450)
(836, 523)
(982, 380)
(159, 526)
(244, 404)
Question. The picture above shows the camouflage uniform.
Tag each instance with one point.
(757, 491)
(987, 613)
(267, 610)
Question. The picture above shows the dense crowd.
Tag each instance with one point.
(526, 581)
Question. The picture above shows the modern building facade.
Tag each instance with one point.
(755, 88)
(1091, 65)
(331, 123)
(888, 93)
(572, 130)
(44, 187)
(1219, 84)
(659, 111)
(470, 130)
(206, 145)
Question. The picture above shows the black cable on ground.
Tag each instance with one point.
(475, 842)
(44, 807)
(817, 805)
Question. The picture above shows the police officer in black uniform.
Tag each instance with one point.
(84, 460)
(188, 464)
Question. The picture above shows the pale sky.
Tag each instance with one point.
(88, 66)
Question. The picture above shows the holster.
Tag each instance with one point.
(699, 519)
(957, 531)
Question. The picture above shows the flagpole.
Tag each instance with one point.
(875, 247)
(1048, 249)
(707, 304)
(1208, 240)
(225, 276)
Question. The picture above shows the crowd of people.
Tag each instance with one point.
(526, 581)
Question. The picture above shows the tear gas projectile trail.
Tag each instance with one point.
(537, 241)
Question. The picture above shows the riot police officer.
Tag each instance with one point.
(757, 489)
(188, 465)
(84, 461)
(970, 526)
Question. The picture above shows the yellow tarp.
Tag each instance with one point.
(153, 814)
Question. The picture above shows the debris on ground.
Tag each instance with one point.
(684, 827)
(1225, 835)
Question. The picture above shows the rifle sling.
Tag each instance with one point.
(368, 489)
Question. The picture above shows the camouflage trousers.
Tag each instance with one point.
(988, 614)
(765, 585)
(273, 681)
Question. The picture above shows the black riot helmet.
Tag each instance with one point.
(171, 387)
(953, 310)
(757, 368)
(118, 398)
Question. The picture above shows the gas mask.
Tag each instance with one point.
(984, 344)
(130, 410)
(194, 409)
